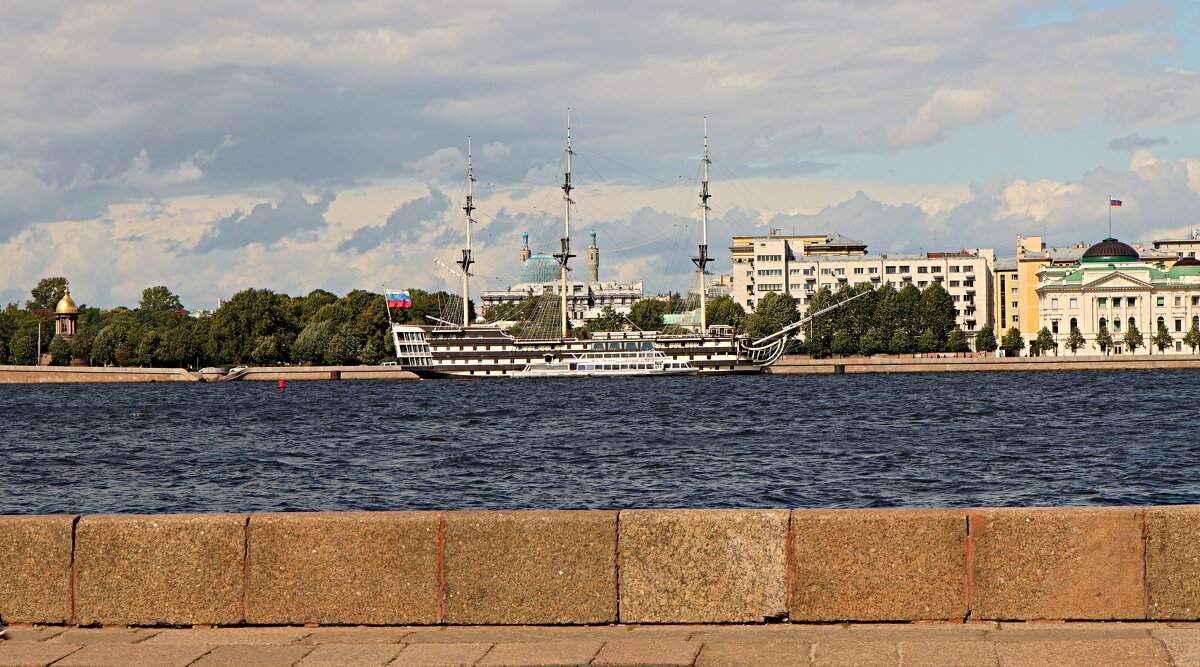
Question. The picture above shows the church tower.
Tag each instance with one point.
(66, 316)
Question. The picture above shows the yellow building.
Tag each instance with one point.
(1007, 295)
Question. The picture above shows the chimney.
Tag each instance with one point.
(593, 260)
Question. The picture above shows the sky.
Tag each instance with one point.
(299, 144)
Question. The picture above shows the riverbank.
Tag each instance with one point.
(602, 567)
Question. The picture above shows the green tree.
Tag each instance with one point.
(159, 298)
(112, 344)
(908, 310)
(1013, 342)
(60, 352)
(247, 316)
(819, 341)
(1192, 338)
(311, 344)
(957, 342)
(872, 342)
(937, 311)
(81, 344)
(1075, 340)
(985, 339)
(1104, 340)
(609, 320)
(47, 293)
(900, 343)
(146, 353)
(1162, 339)
(647, 314)
(177, 347)
(1045, 341)
(266, 351)
(1133, 338)
(342, 350)
(773, 312)
(23, 346)
(842, 343)
(928, 342)
(724, 310)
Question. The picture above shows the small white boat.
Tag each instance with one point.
(608, 364)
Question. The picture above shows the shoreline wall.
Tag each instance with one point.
(934, 363)
(86, 374)
(602, 567)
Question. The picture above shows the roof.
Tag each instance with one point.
(1005, 264)
(1110, 250)
(66, 306)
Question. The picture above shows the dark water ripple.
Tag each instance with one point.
(1080, 438)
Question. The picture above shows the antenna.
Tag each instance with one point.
(702, 259)
(565, 256)
(466, 260)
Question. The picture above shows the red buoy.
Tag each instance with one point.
(282, 384)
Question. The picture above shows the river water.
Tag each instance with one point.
(903, 440)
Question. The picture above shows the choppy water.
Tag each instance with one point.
(1111, 438)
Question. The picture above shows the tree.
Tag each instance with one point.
(159, 298)
(1133, 338)
(60, 352)
(1013, 342)
(266, 351)
(842, 343)
(899, 343)
(609, 320)
(937, 311)
(647, 314)
(47, 293)
(1104, 340)
(1075, 340)
(819, 342)
(1045, 341)
(928, 342)
(1162, 339)
(342, 350)
(724, 310)
(908, 310)
(872, 342)
(1192, 338)
(957, 342)
(311, 344)
(241, 321)
(22, 346)
(146, 353)
(985, 340)
(773, 312)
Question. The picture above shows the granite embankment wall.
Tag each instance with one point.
(80, 374)
(797, 364)
(598, 567)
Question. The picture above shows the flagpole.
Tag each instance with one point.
(1110, 207)
(387, 307)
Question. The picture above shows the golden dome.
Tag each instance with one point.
(66, 305)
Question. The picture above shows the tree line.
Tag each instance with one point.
(254, 326)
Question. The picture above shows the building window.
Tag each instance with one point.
(935, 269)
(904, 269)
(1178, 300)
(1103, 324)
(953, 269)
(1196, 301)
(770, 272)
(812, 270)
(954, 283)
(1074, 324)
(922, 269)
(923, 284)
(872, 270)
(1178, 325)
(1162, 323)
(769, 258)
(955, 298)
(891, 270)
(826, 272)
(1014, 291)
(1015, 304)
(1054, 303)
(858, 270)
(1054, 326)
(1073, 303)
(1161, 301)
(1132, 323)
(1116, 324)
(1116, 302)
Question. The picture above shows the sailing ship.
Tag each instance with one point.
(445, 349)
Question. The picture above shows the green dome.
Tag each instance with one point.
(1110, 250)
(540, 269)
(1186, 266)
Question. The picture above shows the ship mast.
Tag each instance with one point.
(466, 260)
(565, 256)
(702, 259)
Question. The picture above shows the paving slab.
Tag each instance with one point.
(33, 654)
(1172, 561)
(1058, 563)
(554, 567)
(540, 653)
(163, 569)
(259, 656)
(336, 568)
(231, 636)
(35, 568)
(103, 636)
(360, 635)
(509, 635)
(855, 654)
(703, 566)
(136, 655)
(647, 652)
(1027, 632)
(849, 632)
(32, 634)
(948, 654)
(440, 655)
(1088, 653)
(760, 654)
(351, 655)
(857, 565)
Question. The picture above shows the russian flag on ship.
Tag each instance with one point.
(1114, 202)
(398, 299)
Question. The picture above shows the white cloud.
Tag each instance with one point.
(946, 109)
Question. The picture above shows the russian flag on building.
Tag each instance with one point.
(398, 299)
(1114, 202)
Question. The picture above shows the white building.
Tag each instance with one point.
(800, 265)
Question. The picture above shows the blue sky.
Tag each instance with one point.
(297, 145)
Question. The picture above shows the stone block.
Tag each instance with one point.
(540, 653)
(509, 568)
(703, 566)
(33, 654)
(660, 653)
(1172, 562)
(879, 565)
(166, 569)
(334, 568)
(35, 569)
(344, 655)
(136, 655)
(763, 654)
(259, 656)
(949, 654)
(855, 654)
(1058, 563)
(1144, 652)
(439, 655)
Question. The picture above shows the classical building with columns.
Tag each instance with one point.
(540, 274)
(66, 316)
(1112, 287)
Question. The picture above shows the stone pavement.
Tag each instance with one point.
(858, 645)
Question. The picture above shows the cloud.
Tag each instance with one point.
(1134, 141)
(946, 109)
(404, 221)
(267, 223)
